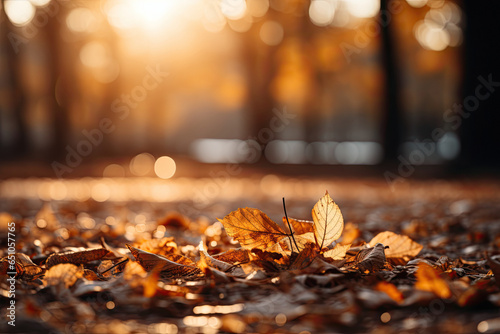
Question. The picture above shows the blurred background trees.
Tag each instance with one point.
(363, 79)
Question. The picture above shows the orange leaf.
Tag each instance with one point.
(428, 280)
(400, 246)
(300, 226)
(252, 228)
(63, 274)
(391, 290)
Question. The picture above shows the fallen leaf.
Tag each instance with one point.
(181, 268)
(63, 274)
(304, 258)
(391, 290)
(400, 246)
(218, 264)
(252, 228)
(338, 252)
(76, 257)
(233, 256)
(428, 280)
(371, 259)
(328, 221)
(299, 226)
(26, 268)
(351, 232)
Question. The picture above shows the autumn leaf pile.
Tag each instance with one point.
(244, 272)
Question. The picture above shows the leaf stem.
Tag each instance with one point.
(116, 265)
(290, 228)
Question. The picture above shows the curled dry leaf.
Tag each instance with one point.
(76, 257)
(26, 268)
(177, 266)
(63, 274)
(252, 228)
(218, 264)
(338, 252)
(371, 259)
(400, 246)
(428, 280)
(328, 221)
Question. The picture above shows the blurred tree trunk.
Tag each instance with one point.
(479, 132)
(392, 130)
(59, 114)
(13, 99)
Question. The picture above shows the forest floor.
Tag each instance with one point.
(149, 256)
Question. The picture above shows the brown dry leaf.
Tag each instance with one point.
(305, 257)
(400, 246)
(79, 256)
(25, 267)
(328, 221)
(391, 290)
(218, 264)
(428, 280)
(252, 228)
(63, 274)
(299, 226)
(177, 266)
(92, 276)
(371, 259)
(234, 256)
(494, 263)
(338, 252)
(161, 246)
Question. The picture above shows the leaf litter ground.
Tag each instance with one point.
(394, 267)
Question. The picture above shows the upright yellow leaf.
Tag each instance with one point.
(252, 228)
(328, 221)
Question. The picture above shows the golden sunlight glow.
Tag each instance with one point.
(81, 20)
(431, 36)
(165, 167)
(146, 14)
(271, 33)
(40, 3)
(417, 3)
(20, 13)
(363, 8)
(233, 9)
(322, 12)
(141, 164)
(213, 18)
(258, 8)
